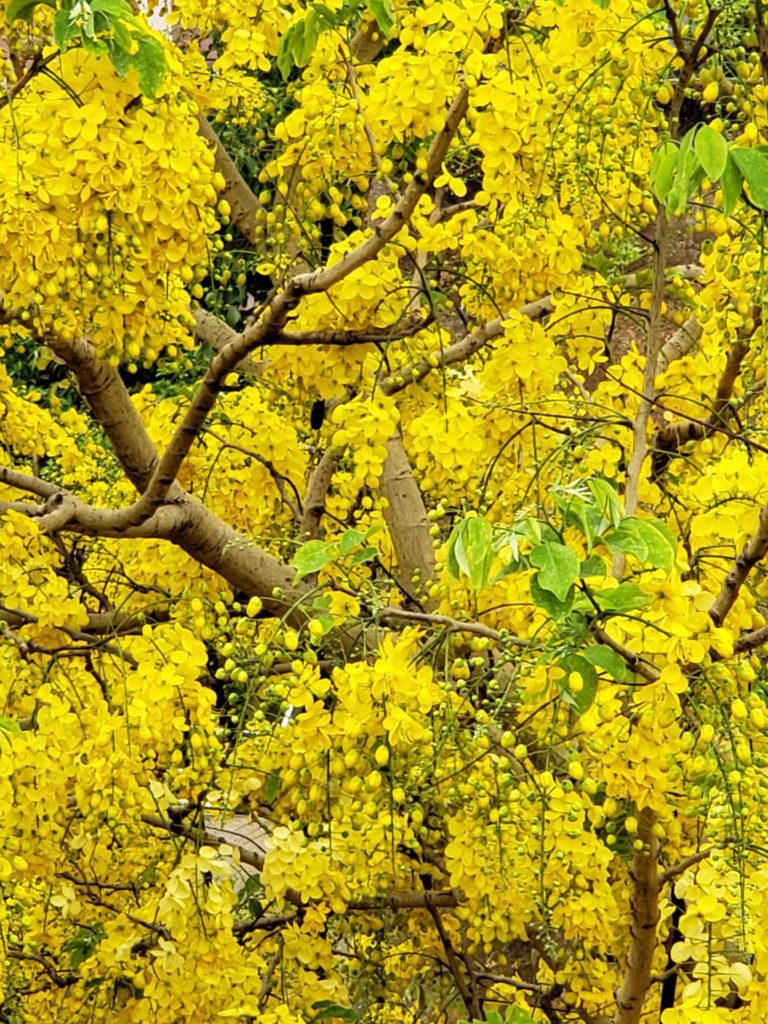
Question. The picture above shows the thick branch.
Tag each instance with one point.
(644, 919)
(635, 661)
(461, 350)
(23, 482)
(406, 517)
(639, 434)
(218, 335)
(243, 202)
(186, 522)
(683, 341)
(749, 641)
(273, 319)
(314, 500)
(753, 552)
(671, 437)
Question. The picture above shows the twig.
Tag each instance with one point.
(636, 662)
(682, 866)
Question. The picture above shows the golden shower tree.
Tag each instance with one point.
(383, 510)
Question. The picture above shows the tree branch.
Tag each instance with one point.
(682, 866)
(639, 433)
(272, 321)
(460, 350)
(314, 499)
(752, 553)
(635, 661)
(406, 517)
(644, 920)
(672, 436)
(243, 202)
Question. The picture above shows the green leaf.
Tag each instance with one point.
(624, 598)
(117, 8)
(592, 566)
(306, 40)
(609, 661)
(626, 540)
(271, 786)
(731, 183)
(546, 600)
(585, 515)
(712, 151)
(312, 557)
(121, 36)
(607, 500)
(558, 567)
(349, 540)
(686, 165)
(8, 725)
(285, 54)
(660, 543)
(149, 61)
(98, 47)
(473, 549)
(383, 13)
(326, 1010)
(753, 164)
(23, 9)
(364, 555)
(582, 700)
(516, 1014)
(647, 539)
(326, 15)
(663, 166)
(63, 29)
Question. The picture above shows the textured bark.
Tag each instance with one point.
(406, 517)
(310, 527)
(754, 551)
(680, 344)
(183, 520)
(243, 202)
(653, 345)
(644, 920)
(672, 436)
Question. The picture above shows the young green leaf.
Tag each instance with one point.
(326, 1010)
(8, 725)
(607, 501)
(731, 183)
(116, 8)
(579, 699)
(473, 550)
(383, 13)
(712, 151)
(558, 567)
(516, 1014)
(312, 557)
(609, 661)
(687, 163)
(23, 9)
(663, 166)
(624, 598)
(271, 786)
(64, 29)
(545, 599)
(349, 540)
(753, 164)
